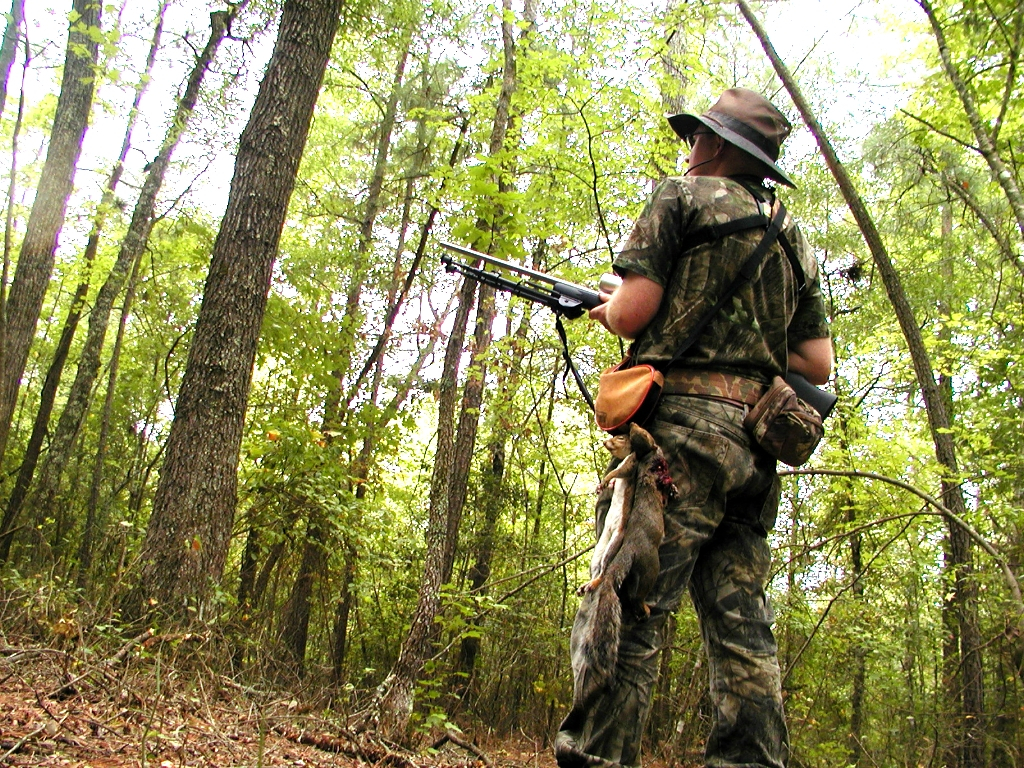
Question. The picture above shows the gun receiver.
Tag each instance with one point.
(562, 297)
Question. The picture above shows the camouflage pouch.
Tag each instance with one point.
(784, 425)
(627, 394)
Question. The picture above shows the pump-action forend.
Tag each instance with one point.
(562, 297)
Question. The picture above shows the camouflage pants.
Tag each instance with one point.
(715, 546)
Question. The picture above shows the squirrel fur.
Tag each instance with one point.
(630, 527)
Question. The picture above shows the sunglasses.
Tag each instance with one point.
(691, 138)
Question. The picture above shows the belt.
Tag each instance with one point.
(718, 386)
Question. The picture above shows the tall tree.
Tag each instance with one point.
(187, 538)
(132, 246)
(295, 623)
(35, 260)
(454, 449)
(937, 410)
(9, 45)
(53, 374)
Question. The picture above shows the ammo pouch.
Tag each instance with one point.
(784, 425)
(626, 394)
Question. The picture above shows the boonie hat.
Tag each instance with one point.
(748, 120)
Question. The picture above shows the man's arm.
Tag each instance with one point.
(631, 308)
(812, 359)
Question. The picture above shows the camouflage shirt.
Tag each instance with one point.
(751, 334)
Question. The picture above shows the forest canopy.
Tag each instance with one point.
(240, 392)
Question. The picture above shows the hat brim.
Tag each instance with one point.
(685, 125)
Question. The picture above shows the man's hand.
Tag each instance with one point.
(600, 312)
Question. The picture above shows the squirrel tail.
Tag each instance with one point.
(595, 643)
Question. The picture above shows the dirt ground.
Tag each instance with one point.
(58, 710)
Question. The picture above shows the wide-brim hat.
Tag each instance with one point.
(748, 120)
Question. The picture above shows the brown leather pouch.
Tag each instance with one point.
(627, 394)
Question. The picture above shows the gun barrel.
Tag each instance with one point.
(565, 298)
(507, 265)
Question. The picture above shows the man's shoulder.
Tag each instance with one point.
(714, 199)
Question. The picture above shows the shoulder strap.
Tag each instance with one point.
(755, 189)
(794, 262)
(746, 271)
(714, 232)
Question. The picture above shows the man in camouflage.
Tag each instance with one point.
(716, 530)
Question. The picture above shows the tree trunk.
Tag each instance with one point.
(185, 548)
(295, 635)
(12, 186)
(343, 611)
(448, 484)
(855, 741)
(131, 250)
(986, 144)
(26, 470)
(371, 207)
(480, 571)
(396, 306)
(295, 619)
(35, 262)
(936, 408)
(9, 46)
(346, 597)
(92, 516)
(492, 503)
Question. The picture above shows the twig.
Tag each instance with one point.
(16, 652)
(21, 743)
(120, 656)
(380, 754)
(469, 746)
(107, 665)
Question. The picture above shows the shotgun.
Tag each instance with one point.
(572, 300)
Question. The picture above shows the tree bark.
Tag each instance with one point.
(9, 46)
(186, 543)
(35, 262)
(51, 382)
(936, 407)
(132, 247)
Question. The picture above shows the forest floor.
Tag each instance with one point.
(137, 708)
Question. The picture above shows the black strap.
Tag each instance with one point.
(747, 271)
(560, 328)
(757, 190)
(714, 232)
(794, 262)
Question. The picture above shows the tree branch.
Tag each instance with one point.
(941, 510)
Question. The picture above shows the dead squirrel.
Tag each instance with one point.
(630, 527)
